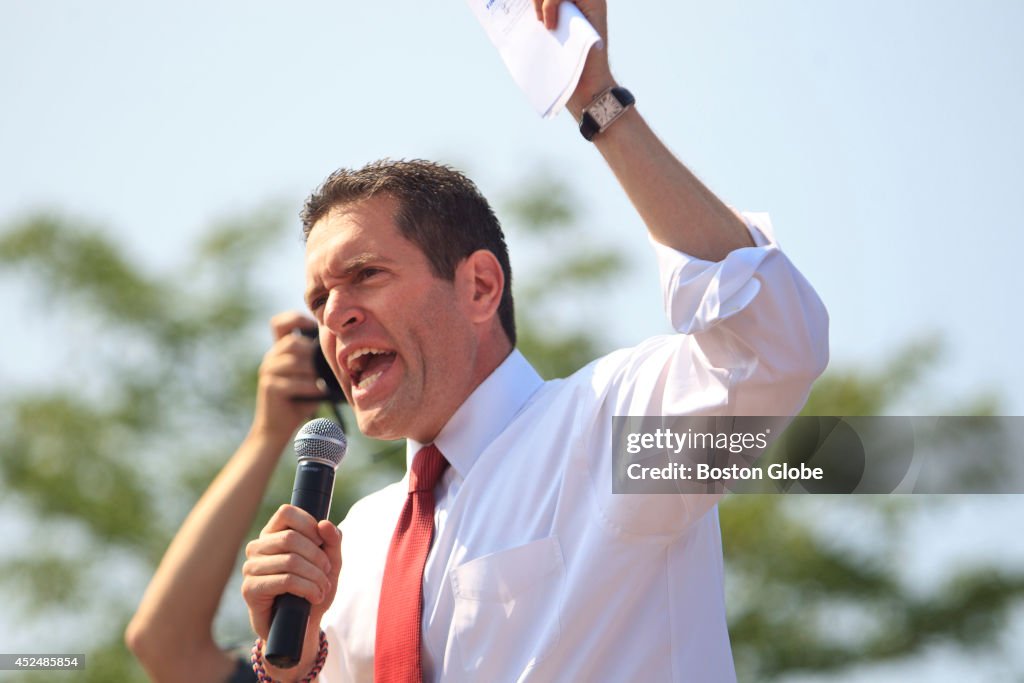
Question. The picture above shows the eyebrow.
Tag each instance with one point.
(350, 266)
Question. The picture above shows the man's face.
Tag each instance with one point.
(395, 335)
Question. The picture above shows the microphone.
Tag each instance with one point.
(319, 445)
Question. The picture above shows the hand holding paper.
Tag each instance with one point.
(546, 64)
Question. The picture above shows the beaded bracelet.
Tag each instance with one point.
(261, 672)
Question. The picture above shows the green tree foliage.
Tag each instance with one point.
(104, 467)
(801, 600)
(572, 269)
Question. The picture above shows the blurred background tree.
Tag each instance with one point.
(159, 378)
(807, 595)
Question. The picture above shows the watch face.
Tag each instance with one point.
(605, 109)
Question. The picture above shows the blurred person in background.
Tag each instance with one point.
(171, 633)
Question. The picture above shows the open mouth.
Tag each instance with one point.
(365, 366)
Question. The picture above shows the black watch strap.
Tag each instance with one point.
(589, 127)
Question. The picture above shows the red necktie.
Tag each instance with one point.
(397, 650)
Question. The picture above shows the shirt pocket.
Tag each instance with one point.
(506, 618)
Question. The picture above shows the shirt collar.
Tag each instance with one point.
(485, 414)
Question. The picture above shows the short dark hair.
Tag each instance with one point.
(440, 210)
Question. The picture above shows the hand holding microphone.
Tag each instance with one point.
(291, 571)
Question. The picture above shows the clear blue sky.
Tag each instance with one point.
(883, 137)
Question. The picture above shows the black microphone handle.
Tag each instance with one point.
(314, 484)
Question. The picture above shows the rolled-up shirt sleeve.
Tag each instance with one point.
(752, 315)
(751, 338)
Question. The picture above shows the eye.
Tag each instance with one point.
(367, 273)
(317, 303)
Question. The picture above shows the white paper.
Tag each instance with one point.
(546, 65)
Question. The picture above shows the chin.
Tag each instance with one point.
(377, 426)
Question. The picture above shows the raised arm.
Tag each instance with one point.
(752, 333)
(171, 632)
(679, 211)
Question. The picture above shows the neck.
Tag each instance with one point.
(489, 356)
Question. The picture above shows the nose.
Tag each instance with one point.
(341, 313)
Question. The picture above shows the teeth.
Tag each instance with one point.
(362, 352)
(367, 382)
(356, 363)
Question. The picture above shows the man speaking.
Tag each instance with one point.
(503, 554)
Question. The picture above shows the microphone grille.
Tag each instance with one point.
(321, 439)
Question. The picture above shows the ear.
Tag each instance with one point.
(480, 283)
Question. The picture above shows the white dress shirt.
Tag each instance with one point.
(537, 570)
